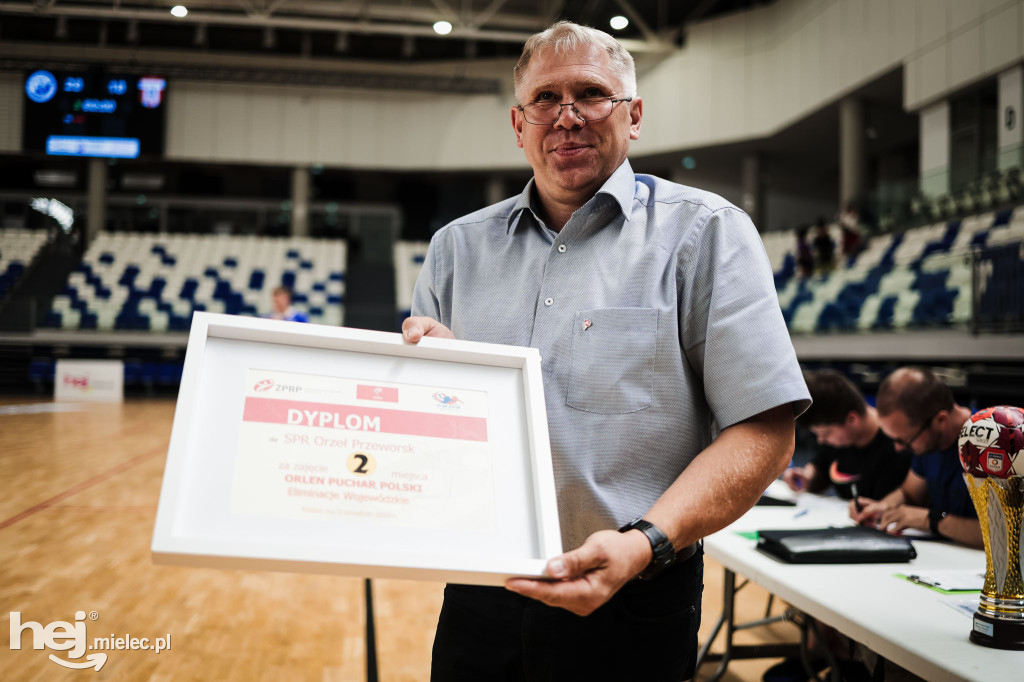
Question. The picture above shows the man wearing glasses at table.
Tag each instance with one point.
(916, 409)
(670, 381)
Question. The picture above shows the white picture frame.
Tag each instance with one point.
(198, 523)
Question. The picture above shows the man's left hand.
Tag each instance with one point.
(898, 519)
(587, 577)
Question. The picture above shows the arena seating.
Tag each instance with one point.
(408, 263)
(17, 250)
(144, 282)
(917, 278)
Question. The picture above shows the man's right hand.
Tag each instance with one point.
(415, 328)
(796, 478)
(867, 512)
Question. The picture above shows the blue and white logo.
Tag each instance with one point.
(41, 86)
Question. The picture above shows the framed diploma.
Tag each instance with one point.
(299, 447)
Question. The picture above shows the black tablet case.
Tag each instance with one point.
(851, 545)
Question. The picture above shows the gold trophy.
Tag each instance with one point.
(991, 450)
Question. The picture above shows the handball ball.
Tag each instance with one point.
(992, 442)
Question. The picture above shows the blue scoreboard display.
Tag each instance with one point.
(94, 113)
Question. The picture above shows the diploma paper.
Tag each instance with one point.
(315, 447)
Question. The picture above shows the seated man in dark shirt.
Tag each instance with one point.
(854, 456)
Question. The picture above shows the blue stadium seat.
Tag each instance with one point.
(132, 372)
(885, 313)
(188, 289)
(128, 277)
(1002, 218)
(41, 370)
(169, 373)
(782, 277)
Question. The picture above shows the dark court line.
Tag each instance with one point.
(99, 478)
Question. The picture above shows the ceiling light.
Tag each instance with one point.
(179, 11)
(619, 23)
(442, 28)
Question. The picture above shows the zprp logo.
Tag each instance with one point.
(447, 400)
(264, 385)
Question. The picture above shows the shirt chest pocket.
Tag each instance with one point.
(612, 360)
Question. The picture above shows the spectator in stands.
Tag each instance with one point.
(824, 248)
(283, 310)
(849, 224)
(654, 309)
(854, 453)
(916, 409)
(804, 259)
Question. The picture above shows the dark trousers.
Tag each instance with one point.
(647, 631)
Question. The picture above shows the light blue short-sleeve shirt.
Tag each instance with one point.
(655, 313)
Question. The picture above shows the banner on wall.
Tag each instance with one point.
(89, 380)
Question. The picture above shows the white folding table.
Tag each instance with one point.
(906, 623)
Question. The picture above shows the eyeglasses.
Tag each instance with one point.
(906, 443)
(586, 109)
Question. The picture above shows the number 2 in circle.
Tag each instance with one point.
(361, 463)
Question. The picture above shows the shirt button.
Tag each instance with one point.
(548, 301)
(561, 248)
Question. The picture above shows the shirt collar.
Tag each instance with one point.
(621, 187)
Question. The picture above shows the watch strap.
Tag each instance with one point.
(934, 517)
(663, 553)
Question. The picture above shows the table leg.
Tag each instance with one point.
(739, 651)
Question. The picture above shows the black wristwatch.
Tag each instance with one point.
(664, 552)
(934, 516)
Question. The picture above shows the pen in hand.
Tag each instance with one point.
(856, 498)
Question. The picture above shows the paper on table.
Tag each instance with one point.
(967, 606)
(948, 581)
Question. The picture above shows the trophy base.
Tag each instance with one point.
(997, 634)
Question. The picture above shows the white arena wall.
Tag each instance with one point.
(740, 77)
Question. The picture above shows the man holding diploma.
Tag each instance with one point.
(670, 381)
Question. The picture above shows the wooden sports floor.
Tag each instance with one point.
(78, 498)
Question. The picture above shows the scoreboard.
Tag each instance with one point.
(94, 113)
